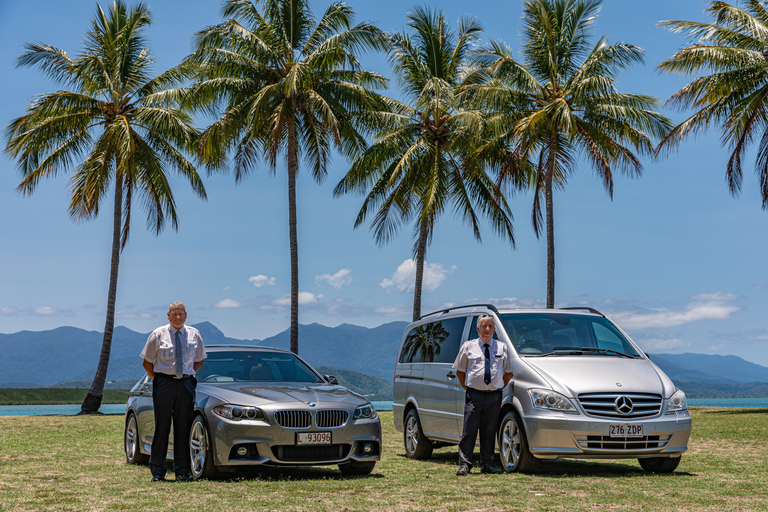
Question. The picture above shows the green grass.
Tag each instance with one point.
(48, 396)
(76, 463)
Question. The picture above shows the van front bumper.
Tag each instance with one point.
(553, 435)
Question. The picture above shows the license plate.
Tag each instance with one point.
(626, 430)
(307, 438)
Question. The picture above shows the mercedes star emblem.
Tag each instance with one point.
(624, 405)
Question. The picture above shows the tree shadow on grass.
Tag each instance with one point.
(559, 468)
(731, 411)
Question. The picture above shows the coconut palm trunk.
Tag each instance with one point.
(293, 169)
(93, 399)
(421, 251)
(550, 221)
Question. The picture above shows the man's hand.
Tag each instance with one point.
(149, 367)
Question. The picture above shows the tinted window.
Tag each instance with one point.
(435, 342)
(543, 333)
(255, 367)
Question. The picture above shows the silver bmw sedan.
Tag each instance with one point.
(263, 406)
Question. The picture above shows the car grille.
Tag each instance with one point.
(328, 453)
(621, 405)
(293, 419)
(334, 418)
(303, 419)
(623, 443)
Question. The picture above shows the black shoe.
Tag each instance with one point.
(184, 477)
(491, 470)
(463, 470)
(158, 478)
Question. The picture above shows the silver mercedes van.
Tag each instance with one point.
(581, 389)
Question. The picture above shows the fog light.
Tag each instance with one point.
(242, 451)
(367, 448)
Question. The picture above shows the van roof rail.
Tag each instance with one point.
(489, 306)
(586, 308)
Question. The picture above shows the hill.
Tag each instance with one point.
(362, 358)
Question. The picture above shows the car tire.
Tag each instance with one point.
(417, 445)
(353, 468)
(200, 453)
(133, 453)
(513, 445)
(660, 464)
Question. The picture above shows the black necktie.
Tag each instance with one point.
(487, 376)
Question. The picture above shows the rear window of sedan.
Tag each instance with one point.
(237, 366)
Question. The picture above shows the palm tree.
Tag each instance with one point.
(733, 48)
(289, 86)
(416, 168)
(562, 102)
(119, 124)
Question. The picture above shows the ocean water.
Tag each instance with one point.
(72, 409)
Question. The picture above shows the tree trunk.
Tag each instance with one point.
(421, 250)
(550, 222)
(92, 400)
(293, 168)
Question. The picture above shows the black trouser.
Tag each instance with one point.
(481, 412)
(173, 399)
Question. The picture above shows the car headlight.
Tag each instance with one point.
(365, 412)
(677, 402)
(239, 412)
(551, 400)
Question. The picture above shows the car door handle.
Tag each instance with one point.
(451, 375)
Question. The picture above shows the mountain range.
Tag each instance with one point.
(68, 355)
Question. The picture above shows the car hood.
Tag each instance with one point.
(573, 375)
(282, 393)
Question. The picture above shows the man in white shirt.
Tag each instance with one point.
(484, 368)
(172, 355)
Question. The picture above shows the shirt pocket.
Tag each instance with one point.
(166, 353)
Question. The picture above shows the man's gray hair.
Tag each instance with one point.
(175, 305)
(483, 318)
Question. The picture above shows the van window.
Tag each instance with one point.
(435, 342)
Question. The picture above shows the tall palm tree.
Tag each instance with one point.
(416, 168)
(562, 102)
(290, 86)
(121, 128)
(733, 49)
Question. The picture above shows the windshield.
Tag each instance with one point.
(542, 334)
(250, 366)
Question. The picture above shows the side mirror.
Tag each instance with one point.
(331, 379)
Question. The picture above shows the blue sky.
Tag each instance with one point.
(674, 259)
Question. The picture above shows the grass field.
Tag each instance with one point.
(77, 463)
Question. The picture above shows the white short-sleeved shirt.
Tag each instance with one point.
(471, 360)
(159, 349)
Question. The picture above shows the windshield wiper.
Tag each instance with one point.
(571, 351)
(607, 351)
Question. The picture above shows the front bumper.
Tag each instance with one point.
(255, 442)
(552, 435)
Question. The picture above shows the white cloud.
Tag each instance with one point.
(336, 280)
(403, 280)
(704, 306)
(396, 310)
(7, 310)
(260, 280)
(46, 311)
(133, 316)
(228, 304)
(304, 299)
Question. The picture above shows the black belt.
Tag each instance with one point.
(486, 391)
(184, 376)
